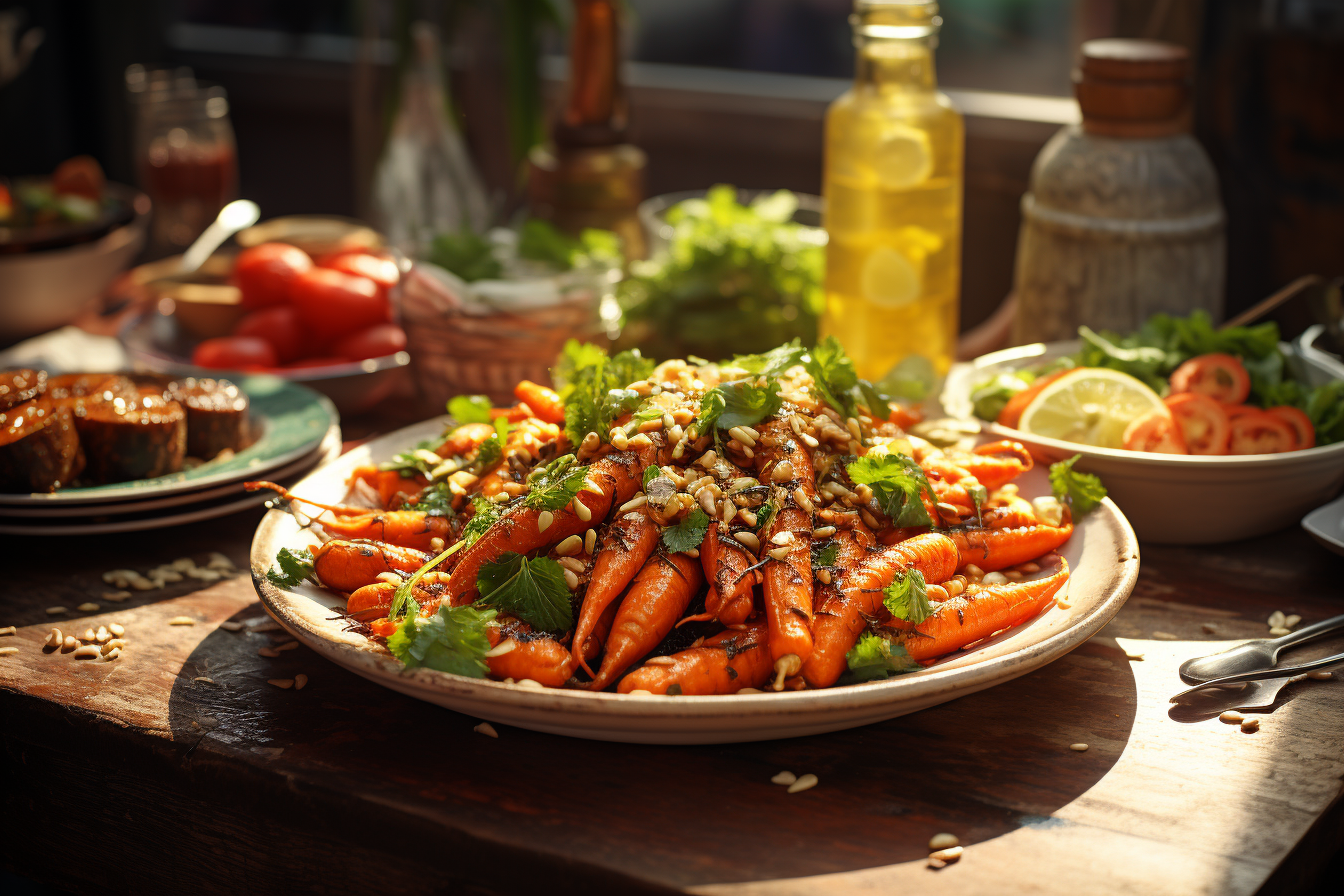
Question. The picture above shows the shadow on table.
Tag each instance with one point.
(978, 767)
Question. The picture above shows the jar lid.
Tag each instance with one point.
(1125, 59)
(1133, 88)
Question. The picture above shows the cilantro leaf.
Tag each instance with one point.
(487, 514)
(825, 554)
(592, 387)
(740, 403)
(470, 408)
(875, 657)
(651, 472)
(294, 568)
(833, 373)
(879, 405)
(533, 590)
(897, 482)
(452, 640)
(906, 598)
(687, 534)
(1081, 491)
(420, 459)
(556, 484)
(436, 500)
(774, 362)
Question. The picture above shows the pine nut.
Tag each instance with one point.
(1231, 717)
(102, 636)
(782, 538)
(951, 854)
(784, 778)
(87, 652)
(571, 580)
(436, 545)
(802, 500)
(282, 683)
(1012, 575)
(299, 681)
(499, 498)
(739, 434)
(955, 585)
(89, 635)
(571, 545)
(973, 571)
(804, 782)
(487, 729)
(8, 651)
(110, 655)
(1321, 675)
(530, 683)
(9, 630)
(1250, 726)
(514, 489)
(780, 554)
(288, 645)
(749, 541)
(590, 541)
(641, 441)
(747, 517)
(1280, 631)
(619, 440)
(1291, 620)
(116, 596)
(937, 593)
(728, 510)
(869, 519)
(943, 841)
(1029, 567)
(783, 471)
(824, 576)
(55, 611)
(544, 520)
(114, 644)
(69, 644)
(181, 620)
(1276, 619)
(572, 563)
(635, 502)
(581, 510)
(1078, 748)
(54, 639)
(994, 578)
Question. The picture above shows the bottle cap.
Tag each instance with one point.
(1133, 88)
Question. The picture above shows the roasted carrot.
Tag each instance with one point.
(348, 565)
(405, 528)
(375, 599)
(534, 656)
(392, 487)
(543, 401)
(465, 439)
(657, 598)
(992, 549)
(997, 463)
(979, 612)
(728, 567)
(724, 664)
(626, 546)
(597, 639)
(932, 554)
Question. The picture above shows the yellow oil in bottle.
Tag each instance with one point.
(893, 185)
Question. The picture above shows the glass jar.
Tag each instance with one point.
(893, 190)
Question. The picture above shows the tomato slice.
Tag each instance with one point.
(1221, 377)
(1011, 414)
(1156, 431)
(1304, 434)
(1203, 422)
(1234, 411)
(1260, 433)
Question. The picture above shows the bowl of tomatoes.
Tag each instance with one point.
(321, 319)
(1196, 446)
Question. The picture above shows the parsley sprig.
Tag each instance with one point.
(452, 640)
(556, 484)
(486, 514)
(294, 568)
(470, 408)
(897, 481)
(907, 598)
(874, 657)
(1081, 491)
(593, 387)
(533, 590)
(739, 403)
(687, 534)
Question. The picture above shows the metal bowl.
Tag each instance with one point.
(157, 343)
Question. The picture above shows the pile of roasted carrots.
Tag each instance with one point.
(689, 528)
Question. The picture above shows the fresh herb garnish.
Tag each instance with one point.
(556, 484)
(470, 408)
(467, 254)
(825, 554)
(687, 534)
(541, 241)
(1081, 491)
(774, 362)
(740, 403)
(897, 482)
(651, 472)
(593, 387)
(403, 599)
(533, 590)
(420, 459)
(294, 568)
(907, 597)
(487, 513)
(436, 500)
(879, 405)
(452, 640)
(833, 373)
(875, 657)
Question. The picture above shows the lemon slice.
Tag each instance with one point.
(1091, 406)
(888, 279)
(904, 158)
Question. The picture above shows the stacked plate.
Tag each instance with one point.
(298, 431)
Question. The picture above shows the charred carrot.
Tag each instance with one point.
(932, 554)
(370, 601)
(405, 528)
(597, 639)
(992, 549)
(626, 546)
(532, 656)
(997, 463)
(724, 664)
(543, 401)
(465, 439)
(392, 487)
(348, 565)
(657, 598)
(979, 612)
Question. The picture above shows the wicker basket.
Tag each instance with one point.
(462, 343)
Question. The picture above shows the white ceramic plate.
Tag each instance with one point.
(96, 522)
(1103, 554)
(1326, 525)
(1175, 499)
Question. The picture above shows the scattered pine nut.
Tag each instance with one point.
(1231, 717)
(112, 654)
(204, 679)
(1291, 620)
(102, 636)
(181, 620)
(943, 841)
(55, 611)
(116, 596)
(1279, 631)
(117, 629)
(1209, 628)
(268, 652)
(7, 651)
(1250, 726)
(54, 640)
(785, 778)
(288, 645)
(1164, 636)
(487, 729)
(269, 625)
(114, 644)
(87, 652)
(299, 681)
(1078, 748)
(1320, 675)
(951, 854)
(282, 683)
(9, 630)
(89, 607)
(1276, 619)
(994, 578)
(89, 635)
(69, 644)
(230, 626)
(804, 782)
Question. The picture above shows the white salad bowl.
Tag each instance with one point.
(1170, 498)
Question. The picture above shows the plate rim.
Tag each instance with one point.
(955, 677)
(143, 488)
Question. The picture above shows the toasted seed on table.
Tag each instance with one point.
(1078, 748)
(951, 854)
(7, 651)
(299, 681)
(140, 583)
(54, 639)
(89, 607)
(69, 644)
(1250, 726)
(109, 655)
(230, 626)
(114, 644)
(1320, 675)
(784, 777)
(117, 629)
(89, 635)
(281, 683)
(270, 652)
(1165, 636)
(1279, 631)
(181, 620)
(87, 652)
(1276, 619)
(202, 678)
(1232, 717)
(116, 596)
(1291, 620)
(55, 611)
(102, 636)
(804, 782)
(487, 729)
(9, 630)
(1209, 628)
(943, 841)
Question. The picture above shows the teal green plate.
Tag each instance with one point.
(292, 420)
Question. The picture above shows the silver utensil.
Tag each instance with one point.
(1260, 654)
(236, 216)
(1263, 674)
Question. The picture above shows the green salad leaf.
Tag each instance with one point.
(739, 403)
(874, 657)
(1081, 491)
(452, 640)
(533, 590)
(592, 387)
(834, 374)
(774, 362)
(466, 254)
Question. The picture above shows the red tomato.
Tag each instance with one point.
(280, 326)
(1304, 434)
(1203, 422)
(380, 270)
(234, 353)
(1234, 411)
(376, 341)
(264, 273)
(80, 176)
(1260, 433)
(1221, 377)
(1156, 431)
(316, 362)
(332, 303)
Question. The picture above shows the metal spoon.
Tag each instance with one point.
(1259, 654)
(235, 216)
(1262, 674)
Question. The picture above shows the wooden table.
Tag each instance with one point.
(178, 767)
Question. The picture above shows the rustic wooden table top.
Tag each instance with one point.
(178, 766)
